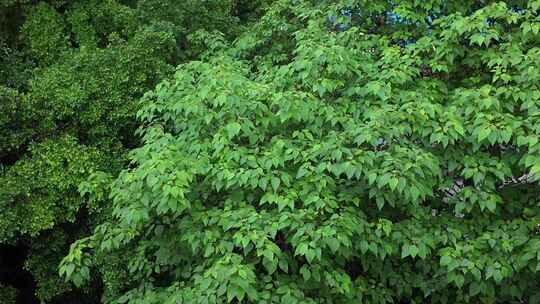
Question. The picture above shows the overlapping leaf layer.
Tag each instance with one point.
(336, 152)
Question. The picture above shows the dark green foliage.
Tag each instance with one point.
(16, 128)
(44, 256)
(71, 76)
(92, 22)
(190, 15)
(15, 69)
(45, 33)
(93, 92)
(40, 191)
(8, 294)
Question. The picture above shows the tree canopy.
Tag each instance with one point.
(272, 151)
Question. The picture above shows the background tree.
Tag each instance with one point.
(71, 76)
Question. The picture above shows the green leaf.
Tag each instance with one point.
(483, 134)
(459, 280)
(475, 288)
(275, 183)
(393, 182)
(232, 129)
(302, 171)
(445, 260)
(306, 274)
(270, 264)
(333, 244)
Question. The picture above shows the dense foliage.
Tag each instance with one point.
(300, 152)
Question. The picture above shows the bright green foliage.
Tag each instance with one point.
(361, 160)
